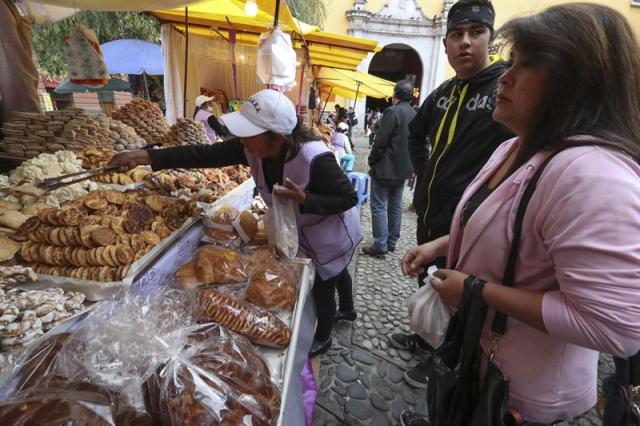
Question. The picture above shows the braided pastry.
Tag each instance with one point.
(256, 323)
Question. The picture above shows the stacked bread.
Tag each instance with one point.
(95, 157)
(273, 283)
(30, 134)
(186, 132)
(146, 118)
(25, 315)
(213, 265)
(204, 185)
(98, 236)
(18, 191)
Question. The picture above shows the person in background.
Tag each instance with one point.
(342, 147)
(389, 167)
(204, 114)
(279, 149)
(373, 127)
(342, 116)
(352, 120)
(576, 286)
(452, 136)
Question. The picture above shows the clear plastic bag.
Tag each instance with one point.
(273, 284)
(215, 378)
(276, 63)
(213, 265)
(429, 315)
(256, 323)
(120, 344)
(282, 225)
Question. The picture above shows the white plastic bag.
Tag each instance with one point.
(281, 225)
(276, 59)
(429, 314)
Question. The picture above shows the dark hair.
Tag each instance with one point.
(403, 90)
(592, 63)
(301, 134)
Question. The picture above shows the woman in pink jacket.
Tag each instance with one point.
(574, 79)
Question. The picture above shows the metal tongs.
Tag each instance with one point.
(58, 182)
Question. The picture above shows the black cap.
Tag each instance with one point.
(464, 11)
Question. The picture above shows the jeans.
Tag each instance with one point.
(324, 296)
(346, 162)
(386, 214)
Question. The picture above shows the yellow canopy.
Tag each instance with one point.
(347, 83)
(217, 17)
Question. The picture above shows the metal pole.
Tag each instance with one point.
(186, 66)
(275, 15)
(357, 92)
(146, 85)
(325, 105)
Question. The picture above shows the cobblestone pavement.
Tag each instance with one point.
(361, 378)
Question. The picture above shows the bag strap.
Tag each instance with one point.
(500, 320)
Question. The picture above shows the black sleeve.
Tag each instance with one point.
(218, 127)
(386, 126)
(329, 190)
(418, 135)
(227, 153)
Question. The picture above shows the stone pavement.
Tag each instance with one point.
(360, 379)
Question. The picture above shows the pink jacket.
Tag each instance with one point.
(581, 245)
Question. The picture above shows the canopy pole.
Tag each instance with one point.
(325, 105)
(276, 14)
(357, 92)
(146, 85)
(186, 66)
(300, 89)
(234, 66)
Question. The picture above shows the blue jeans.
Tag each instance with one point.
(346, 162)
(386, 214)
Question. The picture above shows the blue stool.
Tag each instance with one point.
(360, 182)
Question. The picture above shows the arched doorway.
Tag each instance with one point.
(395, 62)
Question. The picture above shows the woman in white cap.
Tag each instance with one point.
(342, 147)
(280, 150)
(204, 114)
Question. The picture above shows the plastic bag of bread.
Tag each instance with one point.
(221, 238)
(256, 323)
(213, 265)
(246, 224)
(273, 284)
(215, 378)
(121, 342)
(222, 219)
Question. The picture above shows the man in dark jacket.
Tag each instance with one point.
(454, 134)
(390, 167)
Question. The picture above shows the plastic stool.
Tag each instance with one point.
(360, 182)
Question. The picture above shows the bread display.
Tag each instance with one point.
(26, 315)
(272, 283)
(213, 265)
(12, 275)
(19, 187)
(95, 157)
(254, 322)
(186, 131)
(98, 236)
(28, 134)
(8, 249)
(53, 410)
(146, 118)
(204, 185)
(219, 380)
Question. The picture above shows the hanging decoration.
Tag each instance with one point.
(84, 57)
(276, 60)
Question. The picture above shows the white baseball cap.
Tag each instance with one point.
(202, 99)
(267, 110)
(343, 126)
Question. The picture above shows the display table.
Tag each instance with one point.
(292, 412)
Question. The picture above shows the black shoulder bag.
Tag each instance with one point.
(455, 396)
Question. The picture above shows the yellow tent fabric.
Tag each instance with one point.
(217, 17)
(347, 83)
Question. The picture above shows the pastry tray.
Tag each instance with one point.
(99, 290)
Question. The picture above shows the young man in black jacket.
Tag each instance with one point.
(453, 134)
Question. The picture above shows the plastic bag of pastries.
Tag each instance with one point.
(222, 218)
(213, 265)
(246, 224)
(273, 283)
(221, 238)
(254, 322)
(215, 378)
